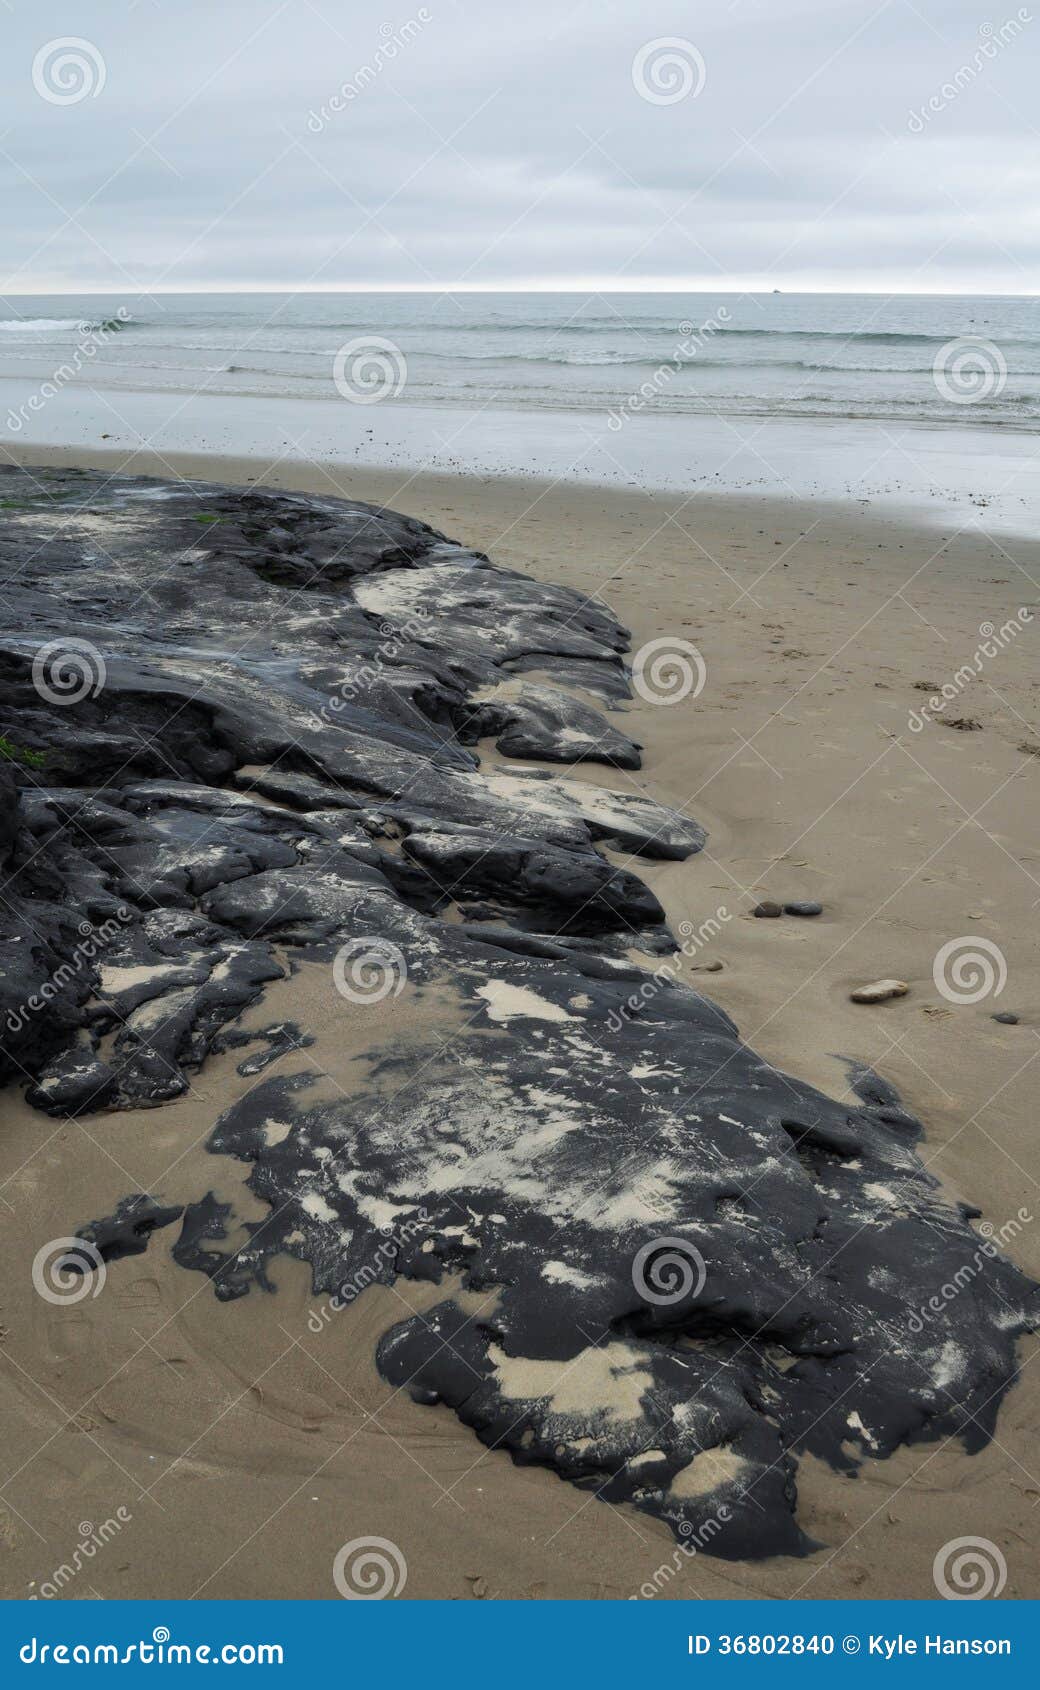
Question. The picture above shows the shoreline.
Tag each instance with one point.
(967, 477)
(798, 759)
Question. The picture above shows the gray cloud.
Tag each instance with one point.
(834, 143)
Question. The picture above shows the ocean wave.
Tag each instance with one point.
(1012, 413)
(526, 381)
(620, 325)
(603, 359)
(639, 360)
(888, 337)
(50, 325)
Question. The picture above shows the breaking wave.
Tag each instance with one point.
(51, 325)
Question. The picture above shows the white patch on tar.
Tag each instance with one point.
(880, 1193)
(949, 1367)
(506, 1002)
(855, 1424)
(315, 1205)
(608, 1382)
(708, 1472)
(561, 1273)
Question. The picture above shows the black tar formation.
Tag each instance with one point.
(680, 1267)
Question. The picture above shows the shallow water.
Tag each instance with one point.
(804, 355)
(982, 479)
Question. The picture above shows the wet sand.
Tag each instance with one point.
(937, 472)
(245, 1446)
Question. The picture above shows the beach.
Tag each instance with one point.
(519, 801)
(922, 406)
(821, 769)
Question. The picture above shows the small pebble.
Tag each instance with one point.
(1006, 1018)
(879, 990)
(768, 909)
(807, 908)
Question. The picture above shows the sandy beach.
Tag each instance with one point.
(519, 817)
(813, 758)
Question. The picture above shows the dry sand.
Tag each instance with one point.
(245, 1447)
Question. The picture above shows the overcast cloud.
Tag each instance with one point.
(489, 144)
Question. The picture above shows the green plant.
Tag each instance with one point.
(13, 753)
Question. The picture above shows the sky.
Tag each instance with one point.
(277, 144)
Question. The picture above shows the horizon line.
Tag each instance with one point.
(595, 286)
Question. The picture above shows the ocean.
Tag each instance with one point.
(900, 359)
